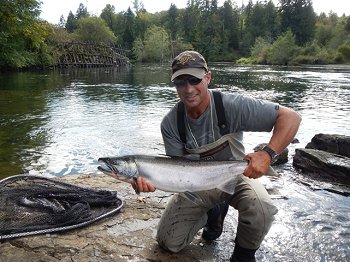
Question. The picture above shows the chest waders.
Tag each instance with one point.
(216, 215)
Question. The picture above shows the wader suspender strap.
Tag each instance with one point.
(220, 113)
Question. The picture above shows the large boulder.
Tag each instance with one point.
(323, 164)
(336, 144)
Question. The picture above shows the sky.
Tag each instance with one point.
(53, 9)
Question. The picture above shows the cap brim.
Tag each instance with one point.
(197, 72)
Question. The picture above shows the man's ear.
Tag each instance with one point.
(208, 78)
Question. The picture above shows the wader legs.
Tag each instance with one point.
(183, 218)
(215, 222)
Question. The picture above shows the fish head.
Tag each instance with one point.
(122, 168)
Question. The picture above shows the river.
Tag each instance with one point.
(59, 122)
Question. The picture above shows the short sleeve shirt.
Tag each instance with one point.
(243, 113)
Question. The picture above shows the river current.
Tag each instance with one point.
(59, 122)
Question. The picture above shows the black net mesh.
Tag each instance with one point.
(31, 205)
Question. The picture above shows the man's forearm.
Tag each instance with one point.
(285, 129)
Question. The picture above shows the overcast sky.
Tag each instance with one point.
(52, 9)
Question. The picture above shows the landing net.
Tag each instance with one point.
(32, 205)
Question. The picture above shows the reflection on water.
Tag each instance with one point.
(60, 122)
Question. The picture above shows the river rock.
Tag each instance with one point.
(322, 164)
(282, 158)
(336, 144)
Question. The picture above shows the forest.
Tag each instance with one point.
(260, 32)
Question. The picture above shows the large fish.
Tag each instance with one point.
(175, 174)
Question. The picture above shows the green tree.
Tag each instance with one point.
(209, 30)
(138, 49)
(298, 16)
(138, 6)
(272, 22)
(94, 29)
(22, 35)
(81, 12)
(129, 27)
(260, 51)
(231, 26)
(191, 22)
(62, 23)
(156, 44)
(71, 23)
(171, 21)
(282, 50)
(108, 14)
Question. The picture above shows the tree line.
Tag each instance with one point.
(260, 32)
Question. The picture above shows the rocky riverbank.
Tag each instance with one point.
(126, 236)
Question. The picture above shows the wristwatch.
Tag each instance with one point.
(272, 153)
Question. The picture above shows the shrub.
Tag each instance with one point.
(260, 50)
(344, 50)
(282, 49)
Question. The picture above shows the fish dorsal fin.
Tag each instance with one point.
(229, 187)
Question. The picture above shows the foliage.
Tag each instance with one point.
(282, 49)
(260, 51)
(260, 31)
(344, 50)
(299, 17)
(138, 49)
(94, 29)
(22, 35)
(71, 23)
(72, 20)
(156, 44)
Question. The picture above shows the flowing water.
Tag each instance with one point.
(56, 123)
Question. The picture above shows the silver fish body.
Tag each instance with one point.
(175, 174)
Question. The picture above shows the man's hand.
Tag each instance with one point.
(143, 185)
(259, 163)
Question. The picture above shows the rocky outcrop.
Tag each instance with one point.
(326, 157)
(323, 164)
(336, 144)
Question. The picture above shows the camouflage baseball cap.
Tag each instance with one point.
(189, 63)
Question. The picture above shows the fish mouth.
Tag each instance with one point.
(105, 167)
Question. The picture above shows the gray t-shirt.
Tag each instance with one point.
(242, 113)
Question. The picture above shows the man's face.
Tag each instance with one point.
(193, 92)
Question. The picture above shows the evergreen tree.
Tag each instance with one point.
(71, 23)
(298, 16)
(230, 23)
(108, 15)
(171, 23)
(81, 12)
(62, 22)
(129, 23)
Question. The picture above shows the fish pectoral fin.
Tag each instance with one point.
(228, 187)
(134, 185)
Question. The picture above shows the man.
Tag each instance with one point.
(183, 218)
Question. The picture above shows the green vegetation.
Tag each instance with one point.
(260, 32)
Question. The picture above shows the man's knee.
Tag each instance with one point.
(169, 244)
